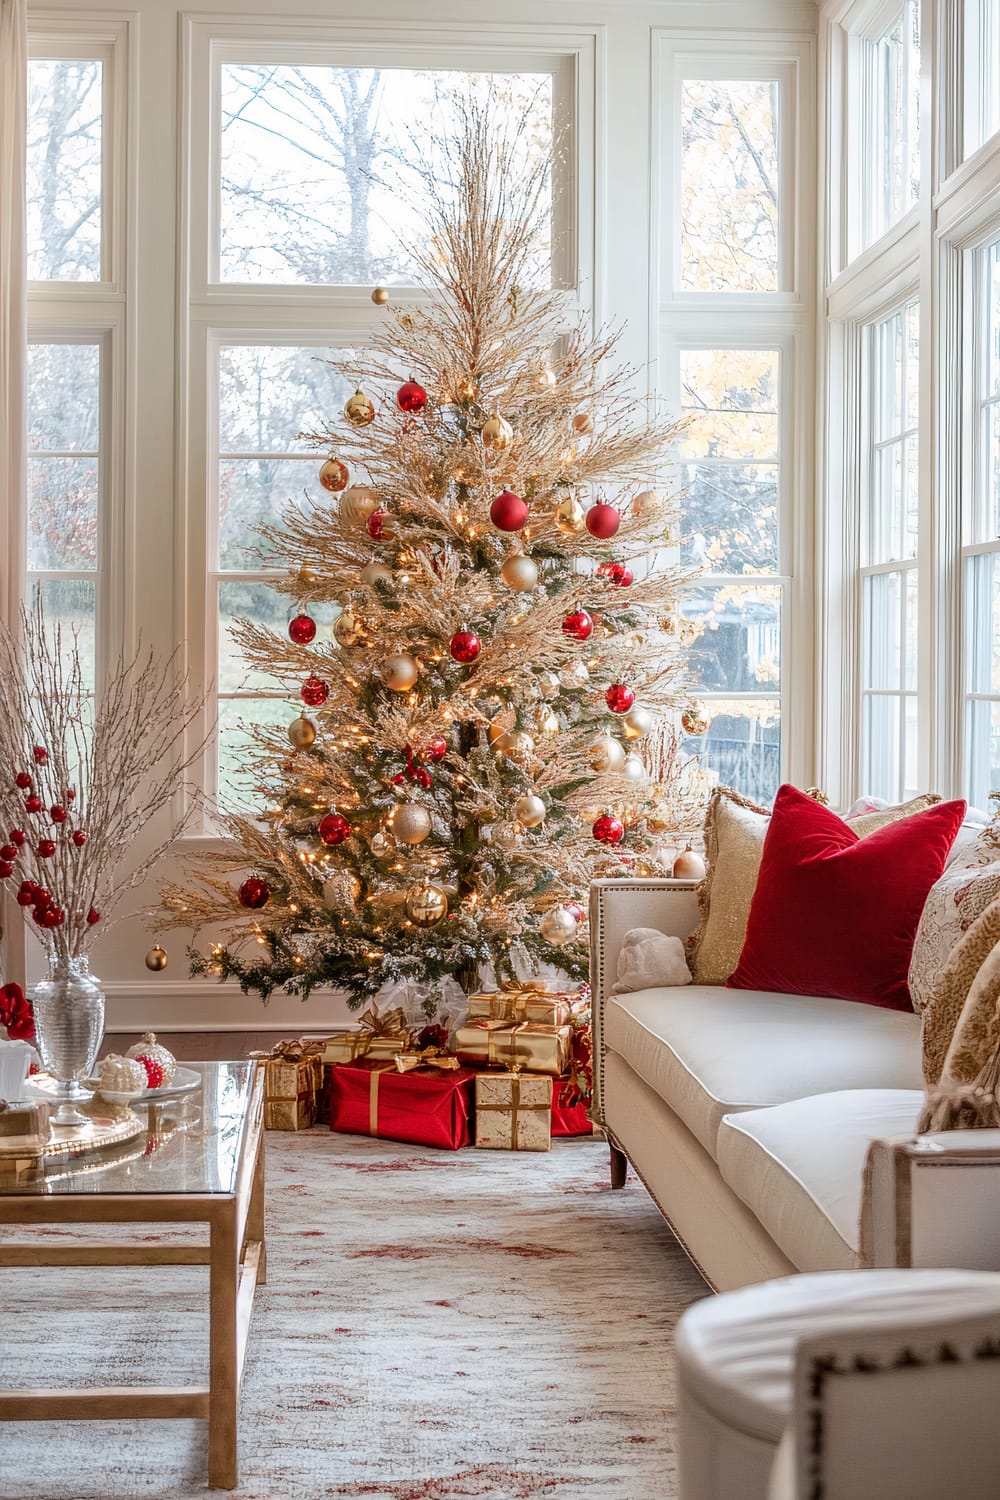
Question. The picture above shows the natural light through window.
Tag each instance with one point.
(65, 102)
(889, 164)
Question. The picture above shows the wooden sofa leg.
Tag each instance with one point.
(619, 1166)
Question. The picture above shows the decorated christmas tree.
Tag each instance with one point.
(493, 722)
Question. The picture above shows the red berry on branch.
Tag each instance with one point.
(79, 837)
(508, 511)
(578, 625)
(41, 755)
(33, 804)
(333, 829)
(69, 795)
(54, 916)
(8, 851)
(23, 780)
(435, 749)
(254, 893)
(302, 629)
(619, 698)
(603, 521)
(411, 397)
(93, 916)
(46, 848)
(42, 897)
(57, 813)
(607, 829)
(26, 893)
(38, 915)
(314, 692)
(17, 836)
(465, 646)
(6, 869)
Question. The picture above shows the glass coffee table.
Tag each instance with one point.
(198, 1160)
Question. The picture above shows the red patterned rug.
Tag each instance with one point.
(436, 1326)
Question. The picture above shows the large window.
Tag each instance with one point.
(886, 80)
(64, 187)
(981, 23)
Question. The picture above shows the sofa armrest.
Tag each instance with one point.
(933, 1200)
(616, 906)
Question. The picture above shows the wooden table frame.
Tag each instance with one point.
(237, 1261)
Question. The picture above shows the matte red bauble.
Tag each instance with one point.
(46, 848)
(508, 511)
(93, 917)
(579, 625)
(54, 916)
(411, 397)
(42, 897)
(41, 755)
(8, 851)
(465, 646)
(619, 698)
(23, 780)
(79, 837)
(435, 749)
(26, 895)
(6, 869)
(314, 692)
(57, 813)
(608, 830)
(603, 521)
(302, 629)
(17, 836)
(254, 893)
(333, 829)
(33, 803)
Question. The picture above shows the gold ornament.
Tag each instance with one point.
(383, 845)
(693, 720)
(645, 503)
(305, 577)
(574, 674)
(357, 504)
(497, 432)
(583, 423)
(516, 744)
(409, 823)
(380, 296)
(508, 834)
(333, 475)
(547, 684)
(558, 927)
(359, 411)
(156, 958)
(519, 572)
(376, 572)
(529, 810)
(341, 890)
(399, 672)
(571, 518)
(606, 754)
(637, 723)
(427, 905)
(302, 732)
(347, 628)
(544, 720)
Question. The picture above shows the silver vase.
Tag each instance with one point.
(69, 1025)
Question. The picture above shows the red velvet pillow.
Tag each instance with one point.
(835, 914)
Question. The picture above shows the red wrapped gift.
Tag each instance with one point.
(569, 1119)
(323, 1096)
(426, 1106)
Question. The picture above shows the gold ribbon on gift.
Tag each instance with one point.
(392, 1023)
(373, 1083)
(515, 1106)
(430, 1057)
(291, 1051)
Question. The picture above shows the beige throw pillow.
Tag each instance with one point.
(734, 842)
(967, 887)
(650, 960)
(958, 998)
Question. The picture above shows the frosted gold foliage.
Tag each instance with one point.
(483, 341)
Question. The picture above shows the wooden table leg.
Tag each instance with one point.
(223, 1378)
(255, 1213)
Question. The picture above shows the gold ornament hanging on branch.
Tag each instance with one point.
(359, 411)
(427, 905)
(380, 296)
(156, 959)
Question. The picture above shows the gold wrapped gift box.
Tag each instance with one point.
(524, 1003)
(379, 1035)
(514, 1112)
(526, 1044)
(293, 1077)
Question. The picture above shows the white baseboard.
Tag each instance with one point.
(206, 1005)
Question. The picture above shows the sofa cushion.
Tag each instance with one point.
(708, 1051)
(964, 891)
(798, 1167)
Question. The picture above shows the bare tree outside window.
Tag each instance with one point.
(65, 130)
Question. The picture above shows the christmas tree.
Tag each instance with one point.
(491, 725)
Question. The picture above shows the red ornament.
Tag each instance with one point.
(508, 511)
(302, 629)
(42, 897)
(23, 780)
(57, 813)
(46, 848)
(69, 795)
(608, 830)
(254, 893)
(38, 915)
(619, 698)
(26, 894)
(314, 692)
(603, 521)
(153, 1068)
(465, 646)
(435, 749)
(579, 625)
(53, 916)
(17, 1014)
(8, 851)
(93, 917)
(411, 397)
(17, 836)
(33, 804)
(617, 573)
(576, 910)
(6, 869)
(380, 525)
(79, 837)
(333, 829)
(41, 755)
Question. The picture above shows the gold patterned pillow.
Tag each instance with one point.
(960, 1021)
(734, 842)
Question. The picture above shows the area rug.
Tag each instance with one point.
(436, 1326)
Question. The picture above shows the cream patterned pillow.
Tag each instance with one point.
(734, 842)
(968, 886)
(961, 1008)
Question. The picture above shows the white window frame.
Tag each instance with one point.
(980, 38)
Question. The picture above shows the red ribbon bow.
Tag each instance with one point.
(412, 771)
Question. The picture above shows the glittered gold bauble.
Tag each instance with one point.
(380, 296)
(149, 1048)
(547, 684)
(305, 577)
(693, 720)
(376, 572)
(646, 503)
(508, 833)
(409, 823)
(529, 810)
(156, 958)
(583, 423)
(359, 411)
(497, 432)
(302, 732)
(383, 845)
(558, 927)
(688, 865)
(544, 720)
(633, 769)
(341, 890)
(427, 905)
(519, 572)
(637, 723)
(606, 754)
(399, 672)
(571, 517)
(333, 475)
(347, 629)
(516, 744)
(357, 504)
(574, 675)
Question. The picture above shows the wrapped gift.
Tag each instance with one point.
(550, 1010)
(514, 1111)
(293, 1077)
(425, 1105)
(523, 1002)
(528, 1044)
(378, 1035)
(323, 1097)
(570, 1113)
(492, 1005)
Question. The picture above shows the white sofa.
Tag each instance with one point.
(749, 1117)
